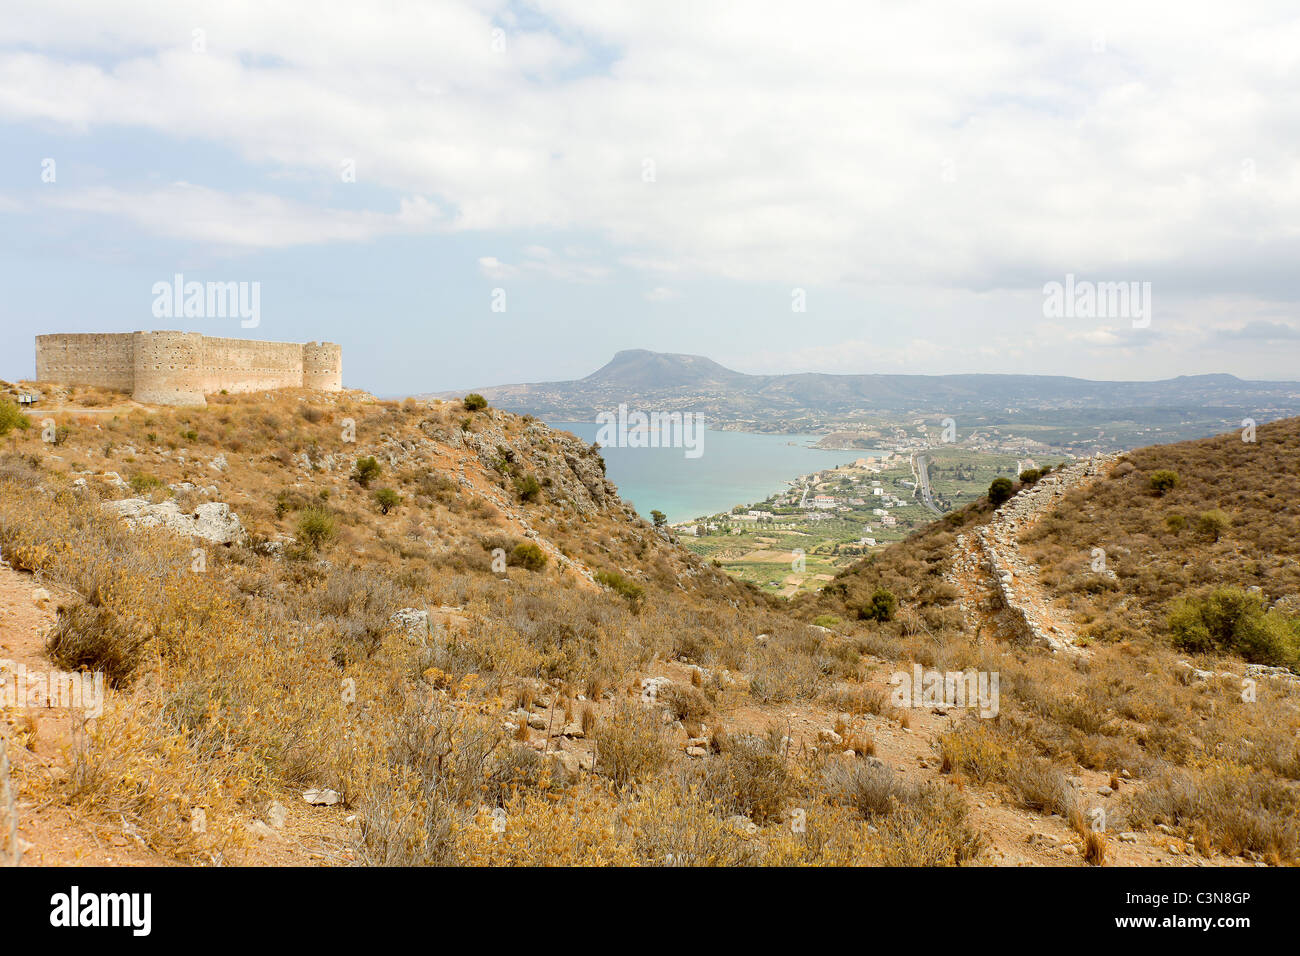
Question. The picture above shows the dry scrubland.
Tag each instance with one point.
(232, 685)
(1173, 592)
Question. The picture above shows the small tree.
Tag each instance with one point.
(474, 402)
(881, 607)
(660, 519)
(366, 470)
(1000, 490)
(1163, 480)
(387, 499)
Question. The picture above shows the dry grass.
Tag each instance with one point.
(229, 681)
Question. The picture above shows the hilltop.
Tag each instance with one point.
(340, 630)
(1142, 611)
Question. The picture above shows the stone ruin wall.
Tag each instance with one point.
(181, 368)
(107, 361)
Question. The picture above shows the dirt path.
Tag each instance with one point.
(39, 740)
(998, 585)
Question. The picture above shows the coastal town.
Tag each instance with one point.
(797, 538)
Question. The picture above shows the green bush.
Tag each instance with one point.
(11, 417)
(528, 488)
(1163, 480)
(528, 555)
(1229, 619)
(1175, 523)
(142, 483)
(1000, 490)
(366, 470)
(826, 620)
(317, 527)
(1213, 523)
(387, 499)
(621, 585)
(474, 402)
(881, 607)
(1031, 475)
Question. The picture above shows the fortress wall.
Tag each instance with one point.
(322, 366)
(169, 368)
(181, 368)
(247, 365)
(105, 360)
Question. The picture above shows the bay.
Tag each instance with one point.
(734, 468)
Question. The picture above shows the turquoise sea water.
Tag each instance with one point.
(734, 468)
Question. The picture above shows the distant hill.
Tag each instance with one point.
(666, 381)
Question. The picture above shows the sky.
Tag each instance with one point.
(469, 192)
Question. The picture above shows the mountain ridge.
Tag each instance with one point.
(679, 382)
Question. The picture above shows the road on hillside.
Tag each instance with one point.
(923, 483)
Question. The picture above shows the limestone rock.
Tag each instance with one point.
(564, 766)
(322, 798)
(276, 815)
(414, 622)
(211, 521)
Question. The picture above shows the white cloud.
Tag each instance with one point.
(570, 265)
(248, 220)
(1101, 336)
(494, 268)
(929, 146)
(829, 141)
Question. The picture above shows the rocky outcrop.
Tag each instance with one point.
(211, 521)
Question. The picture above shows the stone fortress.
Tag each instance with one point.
(181, 368)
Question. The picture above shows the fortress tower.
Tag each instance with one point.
(181, 368)
(322, 366)
(168, 368)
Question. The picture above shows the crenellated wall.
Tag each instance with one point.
(181, 368)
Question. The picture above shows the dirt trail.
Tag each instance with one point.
(1001, 598)
(1000, 593)
(39, 738)
(39, 741)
